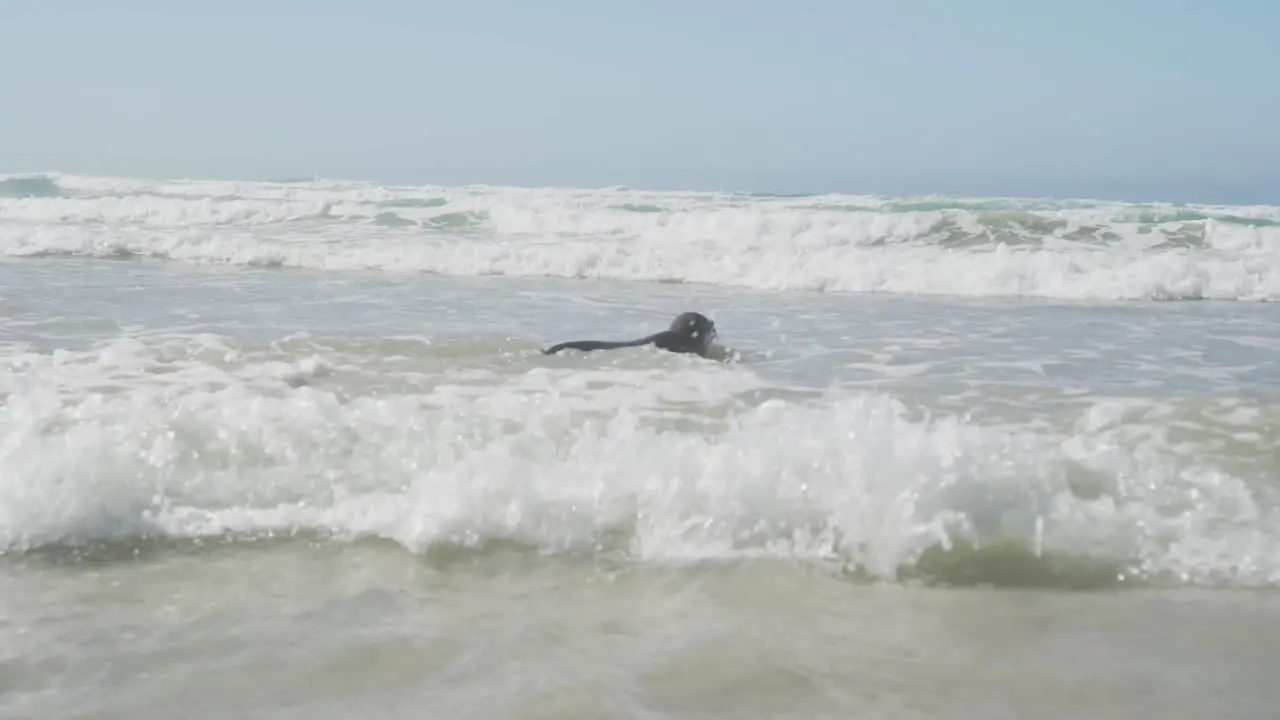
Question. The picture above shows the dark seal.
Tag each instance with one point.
(690, 332)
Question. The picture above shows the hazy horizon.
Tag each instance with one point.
(1127, 100)
(867, 189)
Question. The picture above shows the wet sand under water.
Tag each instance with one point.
(296, 629)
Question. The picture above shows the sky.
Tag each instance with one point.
(1151, 100)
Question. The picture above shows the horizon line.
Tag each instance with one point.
(647, 188)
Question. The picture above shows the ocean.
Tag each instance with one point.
(291, 450)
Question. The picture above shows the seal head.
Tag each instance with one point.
(689, 332)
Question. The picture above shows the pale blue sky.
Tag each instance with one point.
(1159, 99)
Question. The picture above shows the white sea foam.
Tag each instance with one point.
(982, 247)
(190, 437)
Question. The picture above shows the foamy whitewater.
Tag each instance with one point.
(979, 248)
(290, 449)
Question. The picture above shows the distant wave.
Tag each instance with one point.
(39, 186)
(992, 247)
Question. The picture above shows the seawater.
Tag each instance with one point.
(291, 450)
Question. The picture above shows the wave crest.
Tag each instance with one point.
(984, 248)
(197, 438)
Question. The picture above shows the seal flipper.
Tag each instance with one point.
(589, 345)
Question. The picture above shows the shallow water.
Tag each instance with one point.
(193, 456)
(299, 630)
(309, 492)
